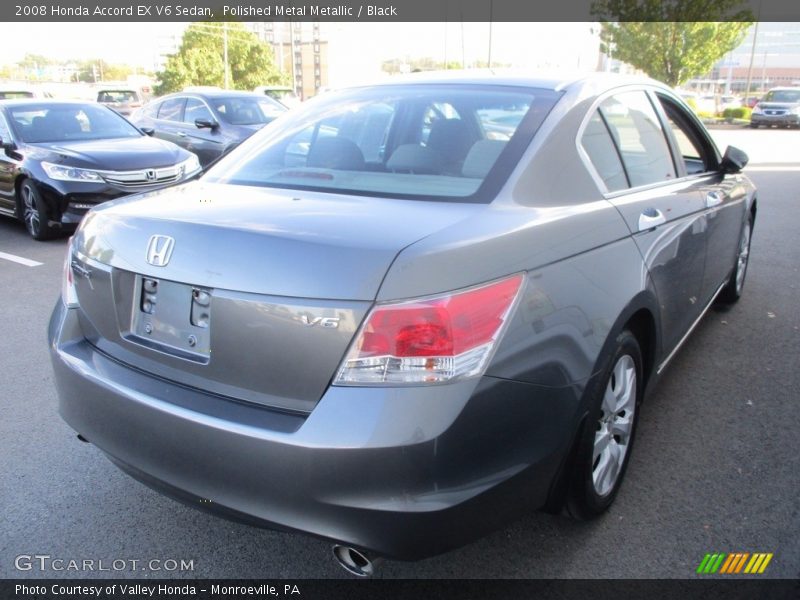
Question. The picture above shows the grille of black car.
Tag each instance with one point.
(144, 177)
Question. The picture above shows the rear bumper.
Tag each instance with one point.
(404, 473)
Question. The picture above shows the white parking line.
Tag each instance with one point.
(18, 259)
(769, 168)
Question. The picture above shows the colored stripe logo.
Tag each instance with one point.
(734, 563)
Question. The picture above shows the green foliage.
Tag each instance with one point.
(692, 103)
(199, 60)
(671, 40)
(740, 112)
(98, 70)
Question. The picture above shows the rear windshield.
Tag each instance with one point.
(456, 142)
(783, 96)
(37, 123)
(117, 96)
(13, 95)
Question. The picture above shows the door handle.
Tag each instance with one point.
(650, 219)
(713, 199)
(181, 134)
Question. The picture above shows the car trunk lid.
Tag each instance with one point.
(288, 277)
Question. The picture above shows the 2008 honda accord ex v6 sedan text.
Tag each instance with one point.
(404, 313)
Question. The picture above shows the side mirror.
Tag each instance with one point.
(206, 124)
(7, 145)
(734, 160)
(148, 131)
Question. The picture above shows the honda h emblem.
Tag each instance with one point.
(150, 174)
(159, 250)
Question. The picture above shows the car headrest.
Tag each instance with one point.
(481, 158)
(336, 153)
(413, 158)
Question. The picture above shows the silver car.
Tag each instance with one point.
(386, 321)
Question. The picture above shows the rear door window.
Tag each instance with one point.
(637, 133)
(172, 109)
(599, 147)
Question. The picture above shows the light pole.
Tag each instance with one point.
(750, 68)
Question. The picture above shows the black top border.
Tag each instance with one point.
(386, 11)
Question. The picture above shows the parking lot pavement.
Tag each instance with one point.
(716, 467)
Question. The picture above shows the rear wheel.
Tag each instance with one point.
(607, 440)
(33, 211)
(733, 289)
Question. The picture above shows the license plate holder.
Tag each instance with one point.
(172, 317)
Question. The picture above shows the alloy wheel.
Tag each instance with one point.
(615, 426)
(30, 210)
(744, 254)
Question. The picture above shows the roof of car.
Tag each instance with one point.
(45, 102)
(552, 81)
(214, 93)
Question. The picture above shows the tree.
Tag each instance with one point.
(99, 70)
(671, 40)
(199, 60)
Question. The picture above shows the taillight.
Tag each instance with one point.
(430, 340)
(68, 294)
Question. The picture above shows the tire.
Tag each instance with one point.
(33, 211)
(754, 125)
(733, 289)
(602, 455)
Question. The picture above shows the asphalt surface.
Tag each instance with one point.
(716, 466)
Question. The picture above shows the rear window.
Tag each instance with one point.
(117, 96)
(14, 95)
(448, 142)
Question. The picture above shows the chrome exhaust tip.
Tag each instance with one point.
(355, 561)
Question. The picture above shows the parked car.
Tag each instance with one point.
(280, 93)
(124, 101)
(21, 92)
(726, 102)
(779, 106)
(209, 122)
(377, 324)
(60, 159)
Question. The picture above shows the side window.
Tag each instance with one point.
(5, 134)
(196, 109)
(171, 109)
(638, 135)
(697, 156)
(599, 146)
(151, 110)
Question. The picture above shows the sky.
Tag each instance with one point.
(355, 49)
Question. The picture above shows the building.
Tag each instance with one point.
(300, 52)
(775, 59)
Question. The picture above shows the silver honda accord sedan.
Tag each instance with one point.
(403, 314)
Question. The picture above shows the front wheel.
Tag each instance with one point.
(34, 212)
(607, 439)
(733, 289)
